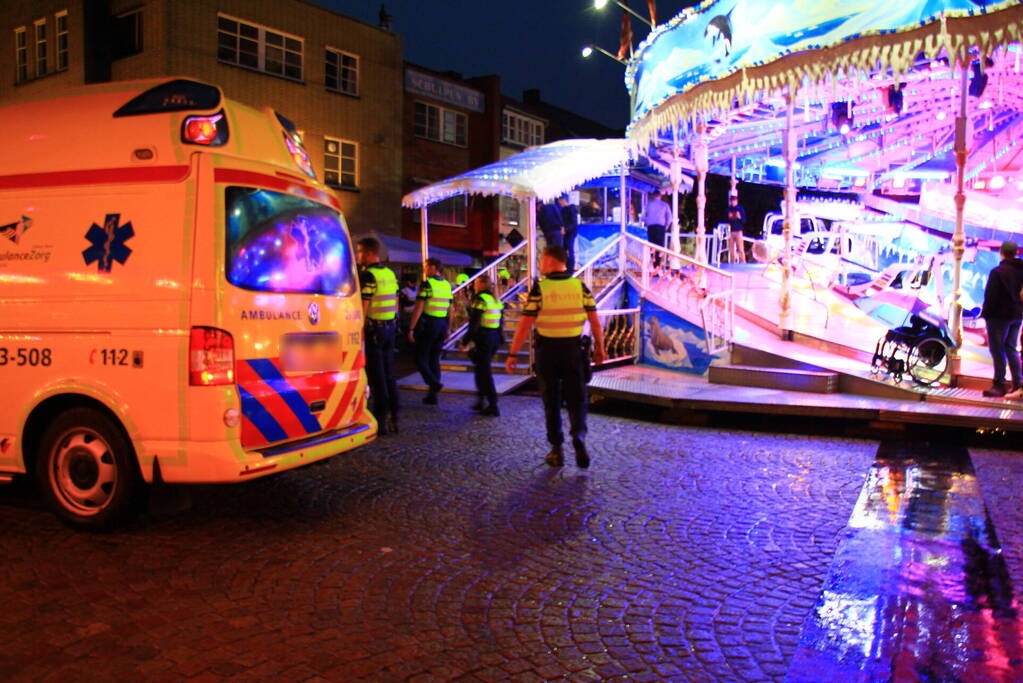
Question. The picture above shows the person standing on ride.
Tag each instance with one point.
(1003, 314)
(736, 230)
(551, 223)
(570, 219)
(657, 217)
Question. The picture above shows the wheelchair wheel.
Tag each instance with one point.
(928, 361)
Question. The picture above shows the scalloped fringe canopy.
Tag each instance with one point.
(897, 50)
(544, 172)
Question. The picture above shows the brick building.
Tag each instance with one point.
(455, 124)
(339, 79)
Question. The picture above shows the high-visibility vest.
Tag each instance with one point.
(561, 311)
(491, 317)
(440, 298)
(384, 304)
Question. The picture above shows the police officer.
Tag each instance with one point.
(379, 309)
(558, 306)
(430, 327)
(484, 333)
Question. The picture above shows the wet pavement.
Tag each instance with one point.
(919, 588)
(451, 552)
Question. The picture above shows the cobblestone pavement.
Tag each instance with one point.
(451, 552)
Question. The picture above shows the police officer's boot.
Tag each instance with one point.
(491, 411)
(477, 404)
(556, 458)
(582, 457)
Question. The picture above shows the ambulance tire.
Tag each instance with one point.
(87, 471)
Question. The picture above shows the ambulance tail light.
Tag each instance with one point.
(205, 130)
(210, 357)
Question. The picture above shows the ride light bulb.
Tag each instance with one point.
(232, 417)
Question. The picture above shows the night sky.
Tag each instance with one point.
(529, 43)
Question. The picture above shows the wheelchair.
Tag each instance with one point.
(922, 349)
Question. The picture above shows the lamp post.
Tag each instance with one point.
(589, 50)
(601, 4)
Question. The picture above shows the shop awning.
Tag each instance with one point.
(543, 172)
(400, 250)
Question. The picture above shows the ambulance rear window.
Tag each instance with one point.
(280, 243)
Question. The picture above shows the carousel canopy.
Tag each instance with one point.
(875, 90)
(544, 172)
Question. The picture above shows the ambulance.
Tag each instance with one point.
(178, 298)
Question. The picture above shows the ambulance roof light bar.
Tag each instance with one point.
(177, 95)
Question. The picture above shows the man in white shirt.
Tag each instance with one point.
(657, 217)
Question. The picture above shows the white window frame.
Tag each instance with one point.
(42, 62)
(61, 52)
(340, 156)
(518, 129)
(21, 54)
(447, 125)
(262, 47)
(342, 68)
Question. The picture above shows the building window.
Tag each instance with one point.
(442, 125)
(509, 211)
(340, 163)
(41, 63)
(342, 72)
(519, 130)
(20, 55)
(128, 34)
(451, 212)
(62, 40)
(258, 47)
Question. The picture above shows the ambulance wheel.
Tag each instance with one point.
(86, 470)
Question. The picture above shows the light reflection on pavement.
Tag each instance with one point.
(918, 589)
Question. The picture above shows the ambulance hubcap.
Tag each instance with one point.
(84, 474)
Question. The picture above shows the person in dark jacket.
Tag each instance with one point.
(551, 223)
(1003, 314)
(570, 219)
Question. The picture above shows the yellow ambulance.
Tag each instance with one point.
(178, 297)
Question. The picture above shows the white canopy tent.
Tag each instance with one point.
(543, 172)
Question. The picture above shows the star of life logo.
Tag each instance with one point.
(108, 243)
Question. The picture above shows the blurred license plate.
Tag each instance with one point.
(311, 352)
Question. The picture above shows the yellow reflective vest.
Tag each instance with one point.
(491, 317)
(439, 302)
(384, 303)
(561, 311)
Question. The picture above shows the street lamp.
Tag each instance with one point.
(601, 4)
(589, 50)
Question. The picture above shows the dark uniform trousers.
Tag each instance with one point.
(657, 234)
(561, 372)
(380, 367)
(430, 333)
(485, 345)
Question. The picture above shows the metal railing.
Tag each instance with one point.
(621, 333)
(602, 270)
(462, 294)
(771, 254)
(697, 288)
